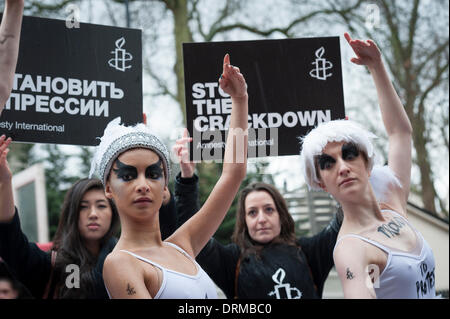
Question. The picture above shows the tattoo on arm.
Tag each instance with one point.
(130, 290)
(349, 274)
(5, 37)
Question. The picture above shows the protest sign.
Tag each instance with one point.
(293, 85)
(71, 81)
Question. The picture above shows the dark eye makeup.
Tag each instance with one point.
(325, 161)
(125, 172)
(128, 172)
(349, 151)
(154, 171)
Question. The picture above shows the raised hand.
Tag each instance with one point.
(367, 52)
(181, 150)
(5, 172)
(232, 81)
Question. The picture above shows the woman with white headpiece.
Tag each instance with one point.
(378, 254)
(134, 166)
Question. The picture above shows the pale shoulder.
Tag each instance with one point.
(124, 277)
(119, 262)
(349, 250)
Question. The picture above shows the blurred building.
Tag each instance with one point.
(31, 201)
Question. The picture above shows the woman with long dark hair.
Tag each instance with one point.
(84, 238)
(85, 235)
(266, 259)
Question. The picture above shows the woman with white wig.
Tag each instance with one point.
(133, 164)
(378, 253)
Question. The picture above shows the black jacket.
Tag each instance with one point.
(280, 271)
(32, 266)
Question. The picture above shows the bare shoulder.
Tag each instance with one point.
(124, 277)
(117, 257)
(349, 250)
(117, 263)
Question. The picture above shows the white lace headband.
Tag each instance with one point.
(119, 138)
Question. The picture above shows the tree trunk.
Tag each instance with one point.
(428, 190)
(182, 33)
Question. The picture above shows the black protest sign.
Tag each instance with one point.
(293, 85)
(70, 82)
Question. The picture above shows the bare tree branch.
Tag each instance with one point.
(432, 55)
(283, 30)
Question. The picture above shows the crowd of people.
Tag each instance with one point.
(165, 247)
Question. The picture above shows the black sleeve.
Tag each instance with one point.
(97, 272)
(220, 261)
(319, 250)
(29, 264)
(168, 218)
(186, 198)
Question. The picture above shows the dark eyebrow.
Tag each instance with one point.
(97, 201)
(121, 165)
(155, 169)
(157, 164)
(122, 168)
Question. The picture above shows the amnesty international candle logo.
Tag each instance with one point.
(121, 56)
(70, 82)
(283, 290)
(322, 65)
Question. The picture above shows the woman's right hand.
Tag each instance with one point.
(367, 52)
(181, 150)
(5, 172)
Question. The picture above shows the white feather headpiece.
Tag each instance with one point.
(343, 131)
(119, 138)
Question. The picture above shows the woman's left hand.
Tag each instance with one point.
(232, 81)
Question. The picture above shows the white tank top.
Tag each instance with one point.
(406, 275)
(176, 285)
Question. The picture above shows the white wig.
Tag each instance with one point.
(119, 138)
(343, 131)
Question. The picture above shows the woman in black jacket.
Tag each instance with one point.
(83, 238)
(266, 260)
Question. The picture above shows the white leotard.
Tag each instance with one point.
(406, 275)
(176, 285)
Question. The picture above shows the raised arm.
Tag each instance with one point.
(6, 192)
(395, 119)
(196, 232)
(9, 46)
